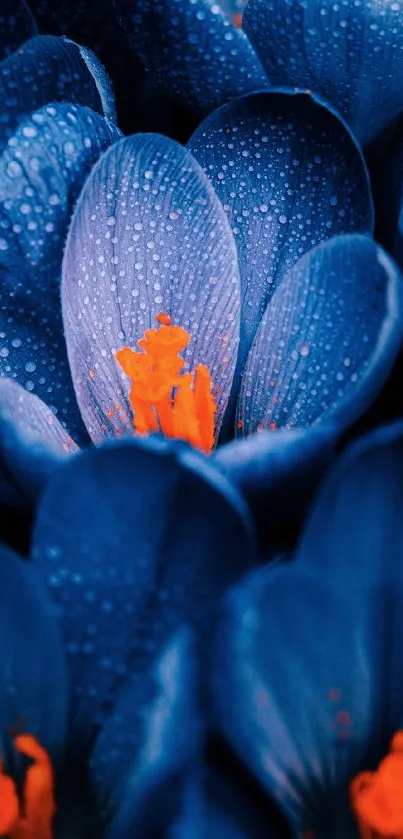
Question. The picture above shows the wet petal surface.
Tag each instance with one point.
(41, 173)
(148, 236)
(16, 26)
(195, 52)
(349, 53)
(134, 550)
(327, 341)
(289, 176)
(309, 672)
(32, 441)
(48, 69)
(145, 749)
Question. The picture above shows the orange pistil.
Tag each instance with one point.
(162, 396)
(377, 797)
(33, 817)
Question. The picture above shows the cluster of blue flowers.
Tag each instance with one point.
(201, 641)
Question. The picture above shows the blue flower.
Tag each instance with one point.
(309, 683)
(255, 275)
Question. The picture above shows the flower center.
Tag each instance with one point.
(32, 817)
(377, 797)
(162, 396)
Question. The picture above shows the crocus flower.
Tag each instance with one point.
(308, 683)
(149, 236)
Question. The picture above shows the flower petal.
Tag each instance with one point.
(17, 24)
(320, 701)
(194, 51)
(49, 69)
(34, 694)
(151, 737)
(220, 809)
(155, 239)
(94, 24)
(278, 474)
(31, 443)
(349, 53)
(327, 341)
(137, 541)
(289, 175)
(294, 694)
(41, 173)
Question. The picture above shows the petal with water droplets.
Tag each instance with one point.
(134, 550)
(148, 236)
(145, 749)
(17, 24)
(194, 51)
(349, 53)
(289, 175)
(327, 341)
(34, 693)
(31, 443)
(50, 69)
(41, 173)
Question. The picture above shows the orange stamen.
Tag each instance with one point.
(164, 397)
(377, 797)
(237, 19)
(33, 818)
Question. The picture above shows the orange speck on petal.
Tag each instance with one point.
(237, 20)
(376, 797)
(164, 319)
(32, 817)
(163, 397)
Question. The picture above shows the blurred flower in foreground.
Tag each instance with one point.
(309, 679)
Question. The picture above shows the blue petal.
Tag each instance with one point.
(17, 24)
(278, 473)
(349, 53)
(134, 549)
(156, 240)
(32, 442)
(327, 341)
(34, 695)
(309, 675)
(289, 175)
(151, 737)
(41, 173)
(49, 70)
(192, 50)
(94, 24)
(361, 501)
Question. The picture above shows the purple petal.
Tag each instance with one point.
(17, 24)
(41, 173)
(327, 341)
(148, 236)
(50, 69)
(289, 175)
(31, 421)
